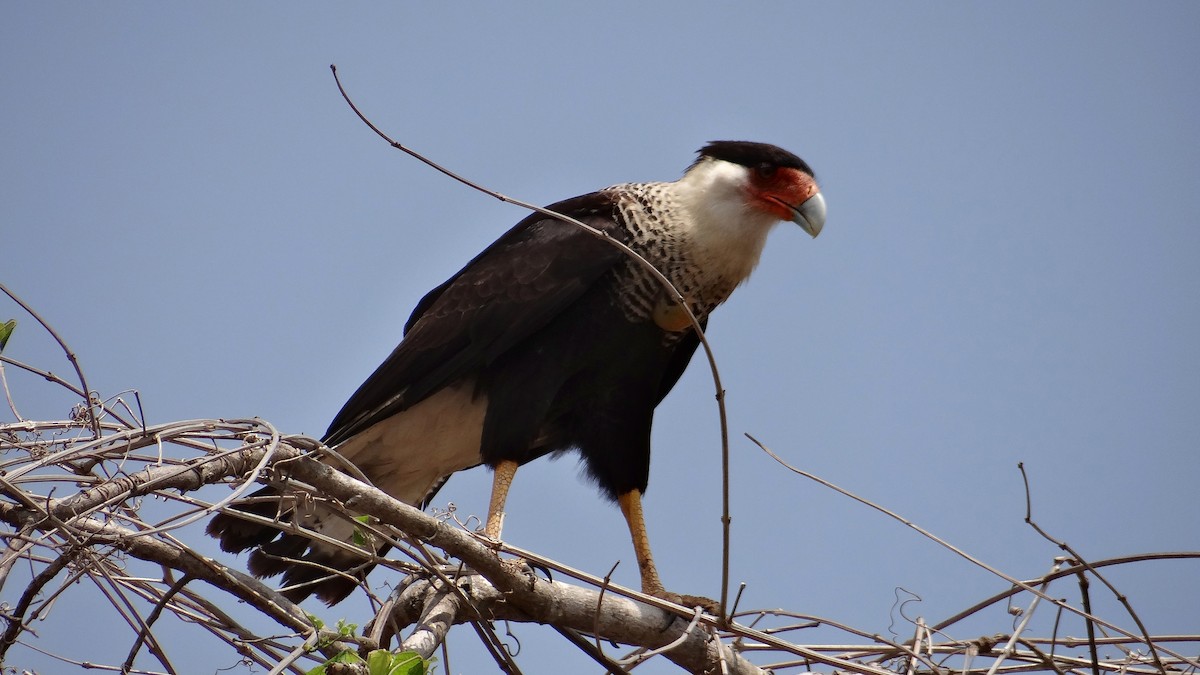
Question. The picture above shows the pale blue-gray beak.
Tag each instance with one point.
(810, 215)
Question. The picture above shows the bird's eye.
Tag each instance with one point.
(766, 170)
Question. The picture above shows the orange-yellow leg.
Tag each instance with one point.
(502, 480)
(631, 507)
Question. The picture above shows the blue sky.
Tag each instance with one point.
(1008, 272)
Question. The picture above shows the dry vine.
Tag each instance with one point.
(94, 532)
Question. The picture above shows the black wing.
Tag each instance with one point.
(509, 291)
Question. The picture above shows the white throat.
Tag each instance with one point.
(720, 218)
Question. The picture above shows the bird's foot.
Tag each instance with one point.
(517, 566)
(690, 601)
(525, 568)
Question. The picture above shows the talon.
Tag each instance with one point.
(708, 605)
(520, 566)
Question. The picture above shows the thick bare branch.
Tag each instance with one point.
(432, 608)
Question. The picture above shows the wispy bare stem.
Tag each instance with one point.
(1082, 561)
(644, 264)
(93, 418)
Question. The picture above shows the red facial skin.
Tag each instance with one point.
(779, 191)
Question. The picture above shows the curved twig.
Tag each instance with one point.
(87, 393)
(16, 616)
(929, 535)
(1083, 561)
(51, 377)
(644, 264)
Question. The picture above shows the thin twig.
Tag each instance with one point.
(87, 395)
(12, 405)
(649, 267)
(929, 535)
(1017, 588)
(101, 575)
(1086, 601)
(592, 650)
(495, 648)
(1082, 561)
(1046, 659)
(51, 377)
(1016, 635)
(687, 632)
(600, 603)
(152, 617)
(16, 617)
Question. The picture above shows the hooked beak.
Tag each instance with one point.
(810, 215)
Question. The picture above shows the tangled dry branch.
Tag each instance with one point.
(113, 510)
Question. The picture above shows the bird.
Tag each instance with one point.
(551, 340)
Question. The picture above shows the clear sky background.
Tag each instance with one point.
(1009, 271)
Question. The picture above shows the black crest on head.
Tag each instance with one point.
(749, 153)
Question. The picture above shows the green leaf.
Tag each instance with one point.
(361, 538)
(345, 628)
(6, 330)
(344, 657)
(383, 662)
